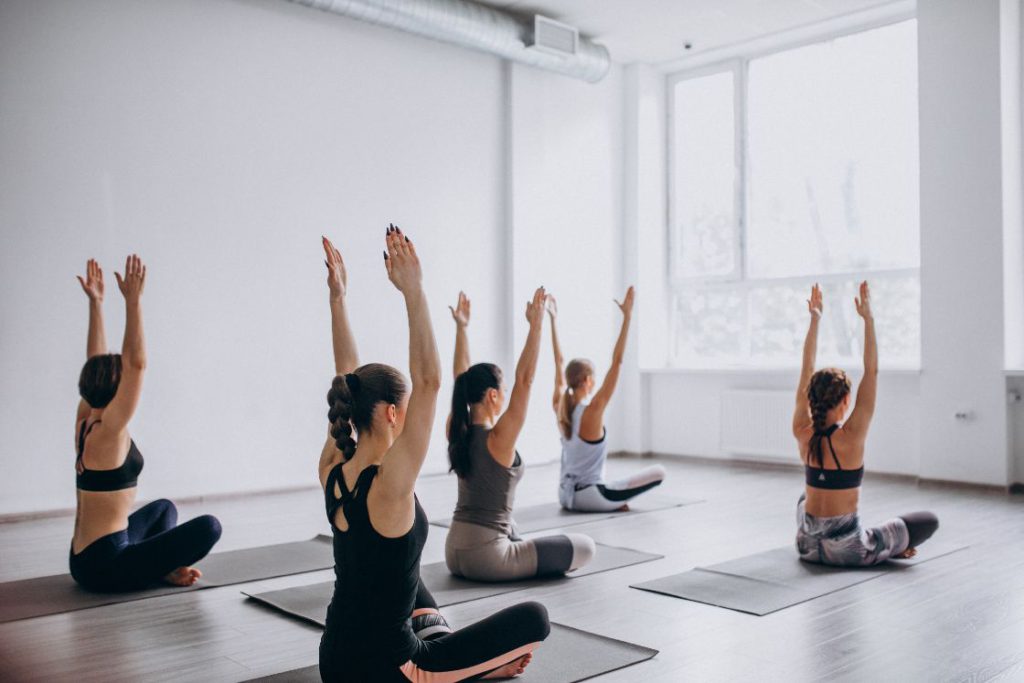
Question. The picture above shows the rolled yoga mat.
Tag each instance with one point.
(567, 656)
(59, 593)
(310, 602)
(553, 516)
(767, 582)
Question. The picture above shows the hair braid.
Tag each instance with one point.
(826, 390)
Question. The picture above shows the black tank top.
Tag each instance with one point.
(124, 477)
(820, 478)
(375, 579)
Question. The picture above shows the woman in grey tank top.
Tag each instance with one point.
(580, 412)
(482, 543)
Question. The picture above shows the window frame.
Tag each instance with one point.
(739, 64)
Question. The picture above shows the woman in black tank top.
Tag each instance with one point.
(828, 524)
(111, 549)
(382, 623)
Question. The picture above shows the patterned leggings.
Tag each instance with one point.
(841, 541)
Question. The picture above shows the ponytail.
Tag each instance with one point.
(565, 409)
(353, 397)
(576, 373)
(470, 387)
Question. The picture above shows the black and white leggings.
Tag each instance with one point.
(608, 496)
(151, 547)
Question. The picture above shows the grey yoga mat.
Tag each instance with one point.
(59, 593)
(310, 602)
(567, 656)
(767, 582)
(553, 516)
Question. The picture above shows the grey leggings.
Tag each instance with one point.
(842, 541)
(480, 553)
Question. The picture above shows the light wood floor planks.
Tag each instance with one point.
(961, 618)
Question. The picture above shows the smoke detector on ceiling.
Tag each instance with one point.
(553, 37)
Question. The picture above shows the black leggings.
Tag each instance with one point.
(463, 655)
(150, 548)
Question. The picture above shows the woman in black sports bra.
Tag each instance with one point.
(382, 623)
(113, 550)
(829, 529)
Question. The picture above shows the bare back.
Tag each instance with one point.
(849, 449)
(100, 513)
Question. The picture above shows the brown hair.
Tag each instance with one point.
(576, 373)
(827, 389)
(470, 387)
(353, 397)
(97, 384)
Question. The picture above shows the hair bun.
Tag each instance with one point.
(352, 380)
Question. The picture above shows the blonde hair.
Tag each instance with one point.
(576, 373)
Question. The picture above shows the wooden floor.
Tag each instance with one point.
(960, 618)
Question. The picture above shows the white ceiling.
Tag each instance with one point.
(655, 31)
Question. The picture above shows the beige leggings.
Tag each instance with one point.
(484, 554)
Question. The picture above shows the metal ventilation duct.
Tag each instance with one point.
(475, 26)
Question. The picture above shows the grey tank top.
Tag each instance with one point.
(487, 494)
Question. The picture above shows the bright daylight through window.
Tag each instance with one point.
(788, 169)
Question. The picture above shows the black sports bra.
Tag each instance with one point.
(124, 477)
(820, 478)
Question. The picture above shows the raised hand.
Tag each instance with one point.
(551, 306)
(92, 285)
(337, 276)
(815, 304)
(535, 308)
(863, 302)
(461, 311)
(626, 305)
(134, 279)
(401, 261)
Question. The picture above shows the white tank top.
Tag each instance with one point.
(582, 461)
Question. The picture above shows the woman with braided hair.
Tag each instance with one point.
(829, 529)
(579, 410)
(382, 623)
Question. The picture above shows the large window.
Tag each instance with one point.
(788, 169)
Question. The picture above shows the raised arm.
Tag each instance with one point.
(461, 316)
(860, 418)
(592, 419)
(802, 411)
(133, 349)
(502, 440)
(96, 342)
(405, 457)
(346, 357)
(552, 308)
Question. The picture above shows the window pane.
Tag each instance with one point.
(704, 173)
(833, 156)
(764, 324)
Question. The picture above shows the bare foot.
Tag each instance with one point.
(624, 508)
(512, 669)
(907, 554)
(183, 576)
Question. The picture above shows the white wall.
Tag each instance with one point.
(961, 242)
(219, 139)
(567, 217)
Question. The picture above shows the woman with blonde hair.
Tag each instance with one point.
(580, 412)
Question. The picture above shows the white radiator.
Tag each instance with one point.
(758, 423)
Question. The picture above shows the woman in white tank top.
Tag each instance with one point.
(580, 412)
